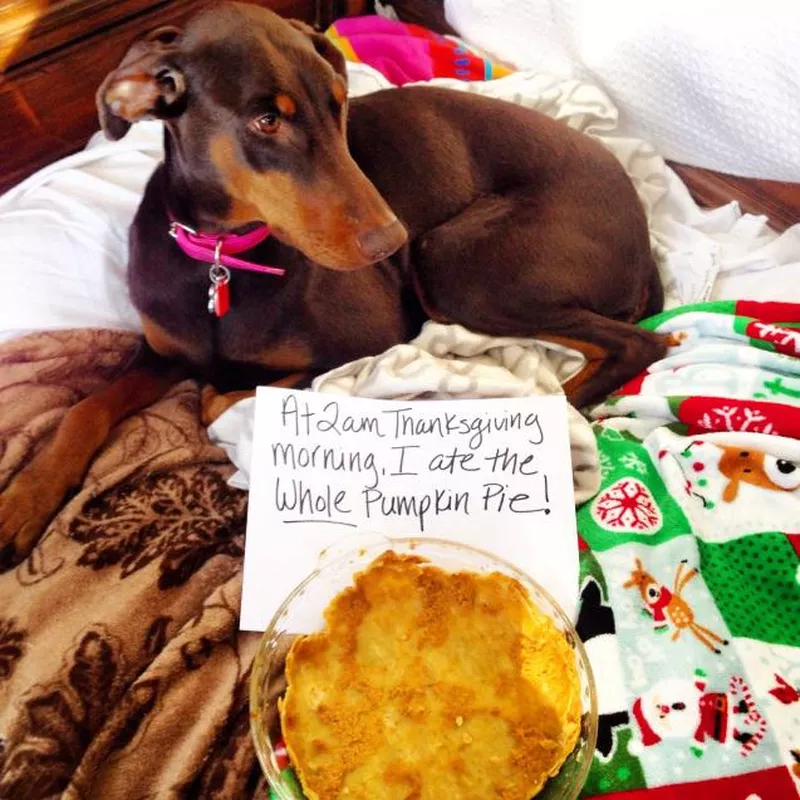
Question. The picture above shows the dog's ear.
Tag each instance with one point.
(324, 47)
(146, 84)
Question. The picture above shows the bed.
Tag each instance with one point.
(127, 612)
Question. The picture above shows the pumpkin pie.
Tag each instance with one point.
(428, 684)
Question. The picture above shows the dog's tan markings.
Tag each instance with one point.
(285, 105)
(312, 217)
(339, 91)
(287, 355)
(269, 196)
(595, 358)
(165, 344)
(295, 380)
(213, 405)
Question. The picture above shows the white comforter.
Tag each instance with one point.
(712, 83)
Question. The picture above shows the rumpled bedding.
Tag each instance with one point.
(444, 362)
(122, 671)
(711, 84)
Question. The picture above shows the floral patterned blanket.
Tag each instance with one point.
(122, 671)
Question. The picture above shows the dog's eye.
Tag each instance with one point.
(266, 124)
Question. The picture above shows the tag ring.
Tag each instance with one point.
(219, 274)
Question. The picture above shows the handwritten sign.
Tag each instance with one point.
(495, 474)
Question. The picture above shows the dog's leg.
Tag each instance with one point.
(628, 351)
(214, 404)
(615, 351)
(506, 267)
(34, 495)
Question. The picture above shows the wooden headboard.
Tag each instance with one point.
(55, 53)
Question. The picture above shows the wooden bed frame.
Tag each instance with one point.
(55, 53)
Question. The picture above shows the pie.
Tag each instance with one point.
(425, 685)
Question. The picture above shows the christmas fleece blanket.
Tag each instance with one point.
(689, 564)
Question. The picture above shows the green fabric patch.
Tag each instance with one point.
(623, 773)
(613, 434)
(589, 567)
(290, 785)
(754, 583)
(623, 457)
(760, 344)
(678, 428)
(717, 307)
(674, 404)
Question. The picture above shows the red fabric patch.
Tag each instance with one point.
(634, 385)
(769, 312)
(784, 340)
(713, 414)
(768, 784)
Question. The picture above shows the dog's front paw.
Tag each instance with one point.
(26, 506)
(213, 405)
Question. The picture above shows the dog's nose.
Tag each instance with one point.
(380, 243)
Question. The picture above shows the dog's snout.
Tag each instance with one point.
(379, 243)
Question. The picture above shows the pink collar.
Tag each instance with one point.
(218, 249)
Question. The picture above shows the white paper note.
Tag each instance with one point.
(494, 474)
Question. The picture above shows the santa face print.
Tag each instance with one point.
(671, 707)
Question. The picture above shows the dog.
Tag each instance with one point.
(409, 204)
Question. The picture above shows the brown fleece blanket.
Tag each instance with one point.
(122, 671)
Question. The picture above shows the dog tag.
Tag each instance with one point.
(219, 298)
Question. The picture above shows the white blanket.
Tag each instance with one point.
(444, 362)
(710, 83)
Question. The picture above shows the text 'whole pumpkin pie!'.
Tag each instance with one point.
(428, 684)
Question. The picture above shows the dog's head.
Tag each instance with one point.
(256, 107)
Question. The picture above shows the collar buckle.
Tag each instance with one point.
(174, 226)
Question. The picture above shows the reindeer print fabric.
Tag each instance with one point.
(690, 574)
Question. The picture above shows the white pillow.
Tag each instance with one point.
(64, 237)
(712, 83)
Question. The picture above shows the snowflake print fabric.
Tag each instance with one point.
(627, 505)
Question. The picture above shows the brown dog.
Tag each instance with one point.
(411, 203)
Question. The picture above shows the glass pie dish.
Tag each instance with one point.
(302, 613)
